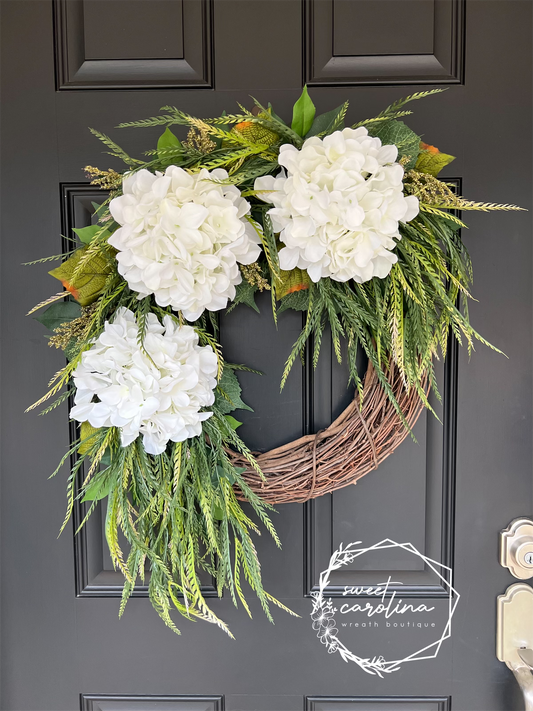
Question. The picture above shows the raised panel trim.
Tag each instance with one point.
(323, 518)
(312, 703)
(444, 66)
(75, 72)
(88, 702)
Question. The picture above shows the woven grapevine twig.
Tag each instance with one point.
(353, 445)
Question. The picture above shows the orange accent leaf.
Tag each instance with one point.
(427, 147)
(256, 133)
(431, 160)
(291, 281)
(75, 293)
(297, 287)
(86, 285)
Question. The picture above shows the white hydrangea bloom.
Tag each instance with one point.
(117, 385)
(182, 238)
(338, 206)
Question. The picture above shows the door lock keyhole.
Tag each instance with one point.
(516, 548)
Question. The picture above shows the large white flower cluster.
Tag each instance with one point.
(182, 238)
(338, 207)
(158, 395)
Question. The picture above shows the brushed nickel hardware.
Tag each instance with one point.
(516, 548)
(514, 636)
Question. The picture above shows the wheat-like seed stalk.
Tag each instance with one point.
(50, 300)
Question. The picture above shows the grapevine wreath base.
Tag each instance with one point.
(353, 445)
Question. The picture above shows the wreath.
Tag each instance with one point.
(350, 225)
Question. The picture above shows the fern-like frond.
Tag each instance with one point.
(50, 300)
(115, 150)
(433, 210)
(400, 103)
(460, 203)
(165, 120)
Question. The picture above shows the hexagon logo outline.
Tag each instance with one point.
(323, 611)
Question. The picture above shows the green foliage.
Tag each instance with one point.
(45, 260)
(87, 234)
(268, 240)
(169, 149)
(85, 273)
(274, 115)
(243, 158)
(405, 317)
(168, 140)
(142, 321)
(233, 423)
(115, 150)
(165, 120)
(88, 433)
(228, 393)
(292, 281)
(460, 203)
(329, 122)
(398, 105)
(270, 120)
(297, 300)
(398, 134)
(303, 113)
(100, 209)
(396, 110)
(98, 488)
(58, 313)
(244, 294)
(178, 511)
(180, 514)
(432, 162)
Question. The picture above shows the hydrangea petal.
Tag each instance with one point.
(338, 208)
(158, 392)
(179, 231)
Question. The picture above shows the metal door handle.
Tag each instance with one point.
(514, 643)
(523, 675)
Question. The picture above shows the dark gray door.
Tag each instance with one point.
(70, 64)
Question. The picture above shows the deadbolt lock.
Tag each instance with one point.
(516, 548)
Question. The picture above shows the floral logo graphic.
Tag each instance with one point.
(323, 612)
(324, 624)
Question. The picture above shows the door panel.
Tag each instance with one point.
(142, 43)
(411, 496)
(151, 703)
(448, 494)
(332, 704)
(384, 41)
